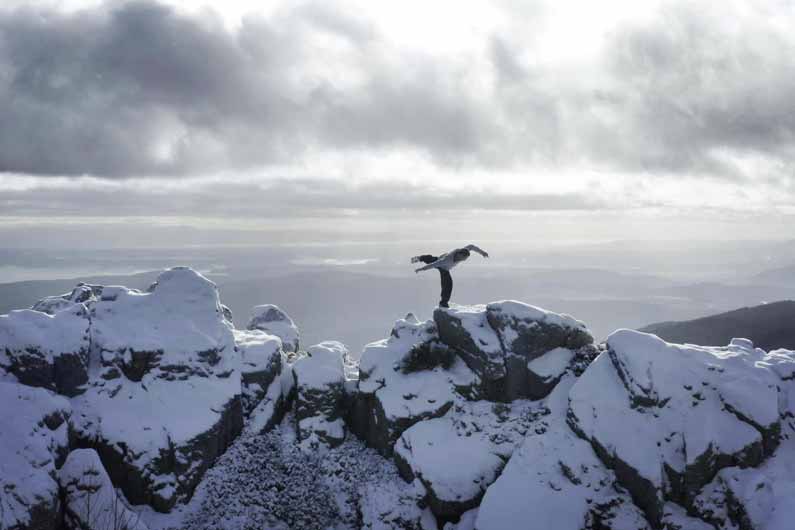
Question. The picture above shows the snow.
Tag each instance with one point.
(34, 433)
(473, 318)
(552, 364)
(320, 388)
(413, 394)
(180, 318)
(261, 361)
(49, 335)
(675, 518)
(323, 365)
(257, 349)
(764, 493)
(91, 501)
(165, 418)
(698, 425)
(460, 454)
(265, 413)
(271, 319)
(155, 412)
(511, 309)
(649, 403)
(456, 468)
(556, 481)
(266, 481)
(782, 362)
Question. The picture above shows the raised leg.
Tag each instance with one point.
(425, 258)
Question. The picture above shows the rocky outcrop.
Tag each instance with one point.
(667, 418)
(48, 351)
(90, 501)
(503, 343)
(270, 319)
(34, 441)
(81, 294)
(261, 361)
(556, 481)
(493, 415)
(320, 394)
(168, 401)
(392, 398)
(173, 379)
(173, 331)
(458, 456)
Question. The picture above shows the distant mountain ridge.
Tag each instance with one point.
(769, 326)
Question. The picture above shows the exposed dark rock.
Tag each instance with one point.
(47, 351)
(499, 341)
(34, 440)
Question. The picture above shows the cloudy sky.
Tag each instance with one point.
(535, 119)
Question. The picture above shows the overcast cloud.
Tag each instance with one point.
(318, 105)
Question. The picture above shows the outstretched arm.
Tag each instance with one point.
(477, 249)
(428, 259)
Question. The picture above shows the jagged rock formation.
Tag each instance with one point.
(270, 319)
(686, 413)
(320, 393)
(260, 367)
(165, 381)
(394, 393)
(34, 440)
(48, 351)
(166, 401)
(485, 417)
(501, 341)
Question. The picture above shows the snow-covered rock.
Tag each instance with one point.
(175, 330)
(91, 502)
(531, 331)
(50, 351)
(392, 398)
(555, 480)
(82, 293)
(260, 365)
(667, 418)
(270, 319)
(158, 437)
(633, 434)
(458, 456)
(34, 440)
(320, 394)
(758, 498)
(168, 400)
(503, 341)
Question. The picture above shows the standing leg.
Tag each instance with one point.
(447, 287)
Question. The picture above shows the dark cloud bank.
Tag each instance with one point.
(138, 89)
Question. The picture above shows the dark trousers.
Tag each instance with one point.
(444, 275)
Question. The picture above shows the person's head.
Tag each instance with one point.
(461, 254)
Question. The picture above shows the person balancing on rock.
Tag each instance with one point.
(444, 263)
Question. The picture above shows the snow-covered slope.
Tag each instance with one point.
(149, 407)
